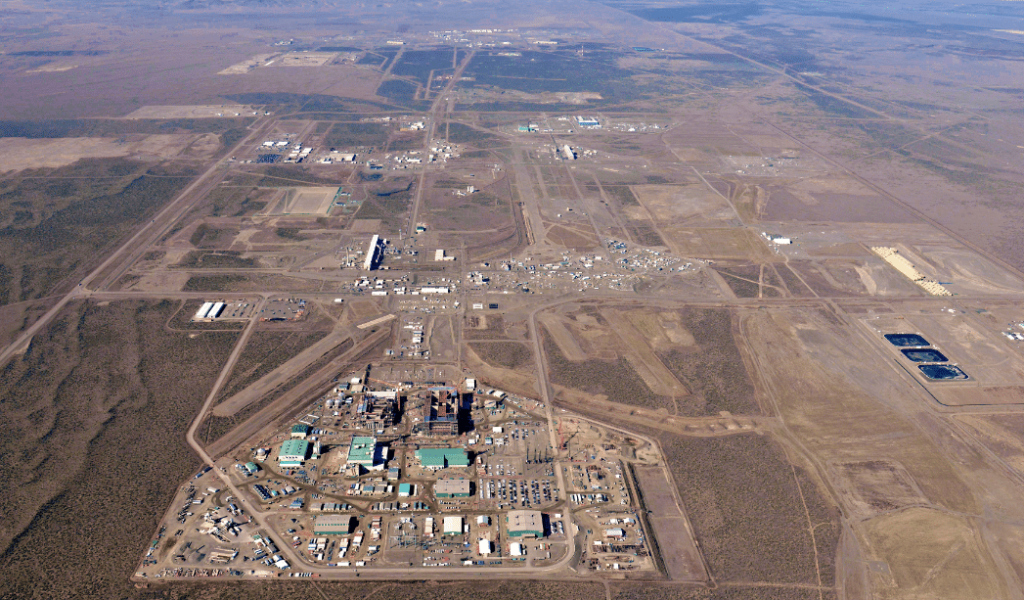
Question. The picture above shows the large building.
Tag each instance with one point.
(451, 526)
(209, 311)
(372, 254)
(441, 413)
(203, 311)
(332, 525)
(363, 451)
(452, 488)
(293, 453)
(525, 523)
(300, 431)
(377, 410)
(442, 458)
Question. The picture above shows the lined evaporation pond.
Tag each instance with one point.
(942, 372)
(906, 340)
(924, 355)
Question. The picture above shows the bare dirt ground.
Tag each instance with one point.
(192, 112)
(21, 153)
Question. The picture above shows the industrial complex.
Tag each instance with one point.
(419, 475)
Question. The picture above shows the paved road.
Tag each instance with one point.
(153, 230)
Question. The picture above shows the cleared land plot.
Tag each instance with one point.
(877, 486)
(1002, 434)
(684, 205)
(721, 243)
(645, 362)
(303, 59)
(675, 542)
(832, 199)
(17, 153)
(199, 111)
(836, 392)
(316, 201)
(935, 554)
(970, 273)
(267, 361)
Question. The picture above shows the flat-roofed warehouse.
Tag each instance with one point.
(333, 524)
(452, 488)
(451, 526)
(525, 523)
(293, 453)
(440, 458)
(363, 451)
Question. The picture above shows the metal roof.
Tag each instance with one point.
(440, 457)
(362, 449)
(294, 448)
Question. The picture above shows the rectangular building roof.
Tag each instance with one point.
(362, 450)
(451, 487)
(293, 449)
(203, 310)
(332, 523)
(443, 457)
(452, 525)
(525, 521)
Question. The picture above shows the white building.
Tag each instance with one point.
(215, 310)
(371, 253)
(203, 311)
(451, 526)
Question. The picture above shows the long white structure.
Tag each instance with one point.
(371, 253)
(215, 310)
(203, 310)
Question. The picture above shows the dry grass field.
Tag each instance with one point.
(655, 591)
(56, 222)
(713, 369)
(615, 379)
(506, 355)
(748, 536)
(265, 351)
(489, 589)
(94, 418)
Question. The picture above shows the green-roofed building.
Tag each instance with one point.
(300, 431)
(363, 451)
(293, 453)
(441, 458)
